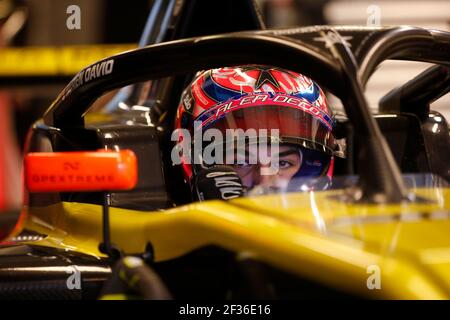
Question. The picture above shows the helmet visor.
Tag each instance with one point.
(302, 124)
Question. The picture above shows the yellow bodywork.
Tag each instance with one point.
(313, 235)
(55, 61)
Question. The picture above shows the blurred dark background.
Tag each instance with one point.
(102, 21)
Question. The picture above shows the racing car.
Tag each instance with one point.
(108, 215)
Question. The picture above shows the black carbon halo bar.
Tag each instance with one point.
(182, 57)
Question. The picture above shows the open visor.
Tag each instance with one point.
(302, 124)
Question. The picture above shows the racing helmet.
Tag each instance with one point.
(261, 103)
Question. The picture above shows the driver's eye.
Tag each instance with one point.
(284, 164)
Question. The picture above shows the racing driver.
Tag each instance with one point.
(256, 108)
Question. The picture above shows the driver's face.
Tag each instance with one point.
(288, 161)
